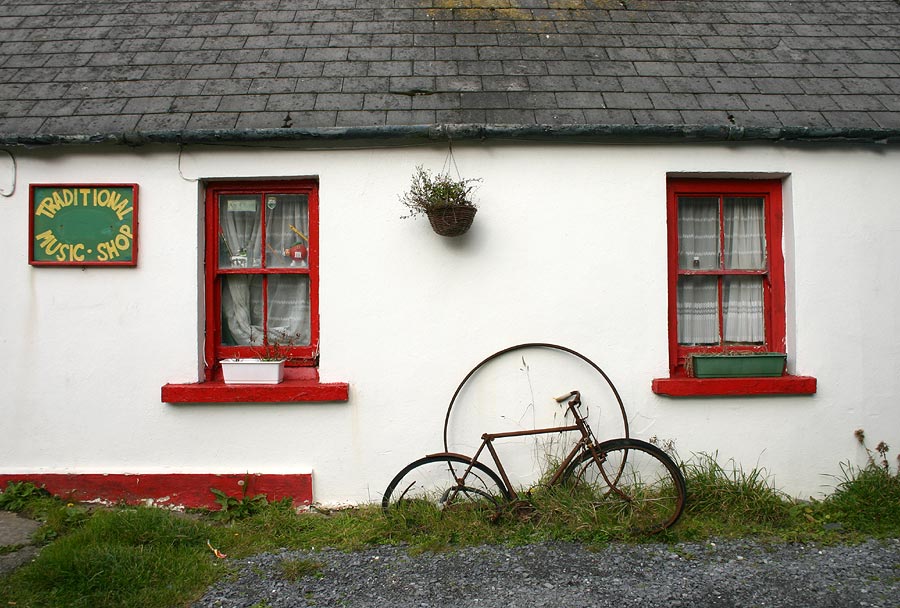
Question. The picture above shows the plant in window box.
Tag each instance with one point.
(265, 368)
(736, 365)
(447, 202)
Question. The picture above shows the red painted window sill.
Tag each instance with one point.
(709, 387)
(300, 385)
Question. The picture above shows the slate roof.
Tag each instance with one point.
(121, 70)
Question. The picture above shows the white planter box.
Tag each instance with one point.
(252, 371)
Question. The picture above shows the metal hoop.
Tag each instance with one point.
(533, 345)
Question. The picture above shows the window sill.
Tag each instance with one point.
(709, 387)
(301, 385)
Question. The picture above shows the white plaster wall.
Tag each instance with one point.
(568, 247)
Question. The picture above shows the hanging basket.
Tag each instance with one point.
(451, 221)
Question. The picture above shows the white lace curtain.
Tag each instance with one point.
(743, 247)
(286, 245)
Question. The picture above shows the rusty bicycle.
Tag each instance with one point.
(637, 480)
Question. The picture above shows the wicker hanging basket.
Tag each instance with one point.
(451, 221)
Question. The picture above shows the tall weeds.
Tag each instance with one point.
(732, 494)
(867, 499)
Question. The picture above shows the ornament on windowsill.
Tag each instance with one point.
(239, 259)
(298, 253)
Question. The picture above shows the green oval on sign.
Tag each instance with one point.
(88, 225)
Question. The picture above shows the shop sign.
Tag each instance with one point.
(83, 225)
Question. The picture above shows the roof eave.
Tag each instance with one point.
(387, 135)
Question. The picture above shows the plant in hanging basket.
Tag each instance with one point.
(447, 202)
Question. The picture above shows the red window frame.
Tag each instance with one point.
(773, 274)
(300, 356)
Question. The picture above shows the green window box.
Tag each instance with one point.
(749, 365)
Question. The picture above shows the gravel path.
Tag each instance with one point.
(697, 575)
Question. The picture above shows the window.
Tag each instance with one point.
(262, 270)
(726, 277)
(726, 280)
(261, 277)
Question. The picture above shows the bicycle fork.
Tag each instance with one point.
(588, 442)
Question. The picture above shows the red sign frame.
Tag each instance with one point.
(83, 224)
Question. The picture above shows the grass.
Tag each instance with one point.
(119, 557)
(729, 501)
(152, 558)
(295, 569)
(866, 500)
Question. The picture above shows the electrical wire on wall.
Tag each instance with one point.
(12, 181)
(180, 172)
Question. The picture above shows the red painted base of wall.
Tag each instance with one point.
(187, 489)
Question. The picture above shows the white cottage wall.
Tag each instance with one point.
(569, 247)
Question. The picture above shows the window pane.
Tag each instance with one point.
(239, 231)
(287, 230)
(745, 234)
(742, 305)
(698, 310)
(698, 233)
(242, 310)
(289, 309)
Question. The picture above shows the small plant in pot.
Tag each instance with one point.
(267, 367)
(447, 202)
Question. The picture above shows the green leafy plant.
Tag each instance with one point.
(58, 517)
(238, 508)
(60, 521)
(19, 494)
(233, 508)
(428, 192)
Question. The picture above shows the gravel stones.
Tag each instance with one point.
(707, 574)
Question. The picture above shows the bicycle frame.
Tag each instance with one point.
(586, 442)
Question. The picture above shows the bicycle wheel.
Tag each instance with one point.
(643, 488)
(440, 481)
